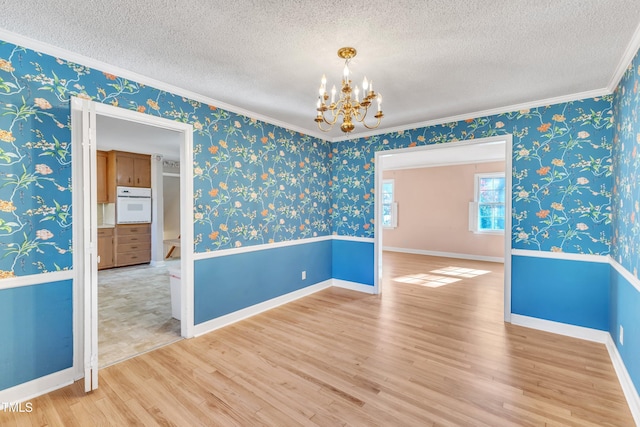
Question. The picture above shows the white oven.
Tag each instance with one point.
(133, 205)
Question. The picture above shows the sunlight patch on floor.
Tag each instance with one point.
(424, 279)
(441, 277)
(460, 272)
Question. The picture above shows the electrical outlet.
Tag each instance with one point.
(621, 336)
(304, 275)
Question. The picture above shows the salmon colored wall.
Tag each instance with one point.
(433, 210)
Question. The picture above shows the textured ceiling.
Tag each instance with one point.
(430, 59)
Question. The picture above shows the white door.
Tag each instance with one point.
(90, 240)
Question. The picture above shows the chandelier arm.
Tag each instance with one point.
(373, 127)
(333, 120)
(360, 113)
(322, 129)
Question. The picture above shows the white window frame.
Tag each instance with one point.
(394, 205)
(474, 207)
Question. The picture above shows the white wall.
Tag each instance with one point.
(171, 208)
(433, 211)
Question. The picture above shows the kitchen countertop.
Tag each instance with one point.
(106, 226)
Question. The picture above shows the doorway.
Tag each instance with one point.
(84, 123)
(134, 301)
(442, 154)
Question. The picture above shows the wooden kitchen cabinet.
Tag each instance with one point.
(133, 244)
(124, 170)
(129, 169)
(105, 248)
(142, 171)
(101, 172)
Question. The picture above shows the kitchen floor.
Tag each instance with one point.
(134, 311)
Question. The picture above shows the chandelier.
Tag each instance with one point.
(348, 105)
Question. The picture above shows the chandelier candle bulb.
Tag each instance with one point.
(333, 94)
(365, 85)
(379, 102)
(357, 93)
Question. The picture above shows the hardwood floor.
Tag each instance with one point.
(425, 352)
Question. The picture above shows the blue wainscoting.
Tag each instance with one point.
(624, 310)
(230, 283)
(565, 291)
(36, 331)
(353, 261)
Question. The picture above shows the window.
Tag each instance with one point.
(487, 212)
(389, 207)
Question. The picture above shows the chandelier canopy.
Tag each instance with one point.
(348, 105)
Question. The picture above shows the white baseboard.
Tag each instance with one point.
(49, 383)
(444, 254)
(219, 322)
(354, 286)
(39, 386)
(602, 337)
(581, 332)
(628, 388)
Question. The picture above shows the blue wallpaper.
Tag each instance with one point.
(254, 183)
(561, 173)
(35, 166)
(626, 164)
(258, 183)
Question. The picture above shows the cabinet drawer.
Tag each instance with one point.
(134, 229)
(131, 258)
(134, 238)
(104, 232)
(133, 247)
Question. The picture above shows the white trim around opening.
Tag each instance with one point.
(378, 247)
(186, 217)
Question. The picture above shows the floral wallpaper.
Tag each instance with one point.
(254, 183)
(257, 183)
(626, 164)
(561, 173)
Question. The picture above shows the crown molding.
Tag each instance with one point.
(68, 55)
(491, 112)
(625, 60)
(55, 51)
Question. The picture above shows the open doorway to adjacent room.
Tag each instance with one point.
(444, 214)
(136, 269)
(134, 149)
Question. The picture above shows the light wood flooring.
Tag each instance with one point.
(134, 311)
(428, 351)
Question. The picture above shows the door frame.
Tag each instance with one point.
(83, 114)
(508, 159)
